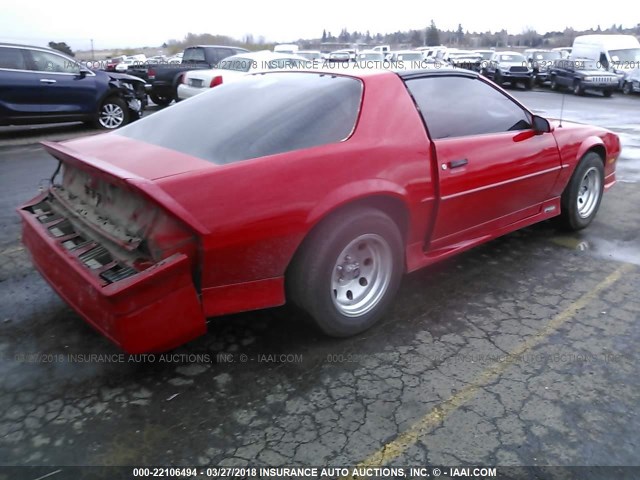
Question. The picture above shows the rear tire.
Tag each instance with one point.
(578, 89)
(348, 270)
(626, 88)
(497, 77)
(582, 196)
(554, 84)
(607, 93)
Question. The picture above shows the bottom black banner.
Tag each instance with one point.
(336, 472)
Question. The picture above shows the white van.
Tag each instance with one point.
(618, 53)
(286, 48)
(384, 49)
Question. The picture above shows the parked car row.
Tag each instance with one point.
(200, 67)
(235, 67)
(40, 85)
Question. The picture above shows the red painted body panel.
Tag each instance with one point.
(507, 175)
(250, 217)
(156, 310)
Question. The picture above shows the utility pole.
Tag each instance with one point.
(92, 55)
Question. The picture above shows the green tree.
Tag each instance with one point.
(62, 47)
(433, 35)
(416, 38)
(324, 35)
(460, 35)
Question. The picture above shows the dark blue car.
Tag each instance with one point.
(40, 85)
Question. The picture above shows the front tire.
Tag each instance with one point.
(348, 270)
(161, 100)
(582, 196)
(626, 88)
(554, 84)
(497, 77)
(113, 114)
(578, 89)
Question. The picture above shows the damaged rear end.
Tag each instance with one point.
(110, 243)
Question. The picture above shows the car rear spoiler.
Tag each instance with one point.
(124, 178)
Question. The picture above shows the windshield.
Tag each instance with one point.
(625, 55)
(485, 55)
(237, 64)
(588, 65)
(371, 56)
(512, 58)
(547, 55)
(193, 55)
(409, 57)
(310, 55)
(257, 116)
(282, 63)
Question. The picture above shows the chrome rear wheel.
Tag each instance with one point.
(361, 275)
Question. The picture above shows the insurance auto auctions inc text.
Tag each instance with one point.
(376, 472)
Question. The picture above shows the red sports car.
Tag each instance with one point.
(313, 187)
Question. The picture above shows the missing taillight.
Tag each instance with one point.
(96, 257)
(48, 217)
(39, 209)
(117, 272)
(75, 242)
(62, 229)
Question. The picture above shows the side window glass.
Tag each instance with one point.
(50, 62)
(460, 106)
(12, 58)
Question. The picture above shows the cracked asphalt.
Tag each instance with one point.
(523, 351)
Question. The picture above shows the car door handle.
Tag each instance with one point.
(47, 80)
(458, 163)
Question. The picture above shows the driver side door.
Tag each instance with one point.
(64, 92)
(493, 168)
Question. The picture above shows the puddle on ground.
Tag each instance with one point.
(627, 252)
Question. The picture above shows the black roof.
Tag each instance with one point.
(216, 46)
(440, 72)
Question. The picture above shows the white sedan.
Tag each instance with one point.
(234, 68)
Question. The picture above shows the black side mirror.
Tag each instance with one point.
(540, 124)
(83, 72)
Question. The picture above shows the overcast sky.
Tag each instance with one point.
(152, 22)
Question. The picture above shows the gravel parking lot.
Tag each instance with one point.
(520, 352)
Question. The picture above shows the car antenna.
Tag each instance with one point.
(561, 110)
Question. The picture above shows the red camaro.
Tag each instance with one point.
(313, 187)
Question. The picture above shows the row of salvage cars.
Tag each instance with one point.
(239, 199)
(235, 67)
(534, 67)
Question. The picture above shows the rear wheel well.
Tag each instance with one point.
(394, 208)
